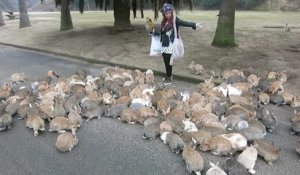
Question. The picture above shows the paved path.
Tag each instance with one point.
(106, 146)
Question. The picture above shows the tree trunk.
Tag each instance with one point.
(65, 16)
(142, 8)
(122, 15)
(2, 23)
(224, 36)
(24, 19)
(134, 7)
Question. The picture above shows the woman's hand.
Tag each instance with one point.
(199, 26)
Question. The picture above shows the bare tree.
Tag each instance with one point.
(224, 36)
(24, 19)
(2, 23)
(121, 10)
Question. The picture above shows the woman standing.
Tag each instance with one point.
(167, 37)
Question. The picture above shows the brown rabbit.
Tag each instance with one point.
(276, 86)
(231, 73)
(195, 68)
(193, 160)
(60, 124)
(176, 123)
(296, 102)
(66, 141)
(18, 77)
(240, 111)
(123, 100)
(295, 117)
(129, 115)
(267, 150)
(201, 137)
(163, 106)
(264, 98)
(201, 118)
(218, 145)
(5, 91)
(243, 101)
(288, 98)
(36, 123)
(253, 79)
(145, 112)
(244, 87)
(75, 118)
(165, 127)
(178, 113)
(214, 129)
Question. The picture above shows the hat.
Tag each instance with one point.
(167, 8)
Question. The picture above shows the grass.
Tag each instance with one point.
(243, 18)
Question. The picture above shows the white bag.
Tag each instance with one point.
(178, 48)
(155, 50)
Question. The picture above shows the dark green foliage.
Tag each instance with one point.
(248, 4)
(210, 4)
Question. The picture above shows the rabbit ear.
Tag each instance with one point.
(212, 164)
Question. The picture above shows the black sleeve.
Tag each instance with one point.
(180, 22)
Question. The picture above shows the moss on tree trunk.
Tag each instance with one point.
(224, 36)
(2, 23)
(122, 15)
(24, 19)
(65, 16)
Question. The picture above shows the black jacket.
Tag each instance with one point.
(165, 39)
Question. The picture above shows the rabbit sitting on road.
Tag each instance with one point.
(5, 121)
(248, 158)
(193, 160)
(215, 170)
(61, 124)
(66, 141)
(175, 142)
(36, 123)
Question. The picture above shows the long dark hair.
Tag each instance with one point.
(164, 21)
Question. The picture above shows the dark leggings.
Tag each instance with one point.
(167, 58)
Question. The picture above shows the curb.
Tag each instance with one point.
(94, 61)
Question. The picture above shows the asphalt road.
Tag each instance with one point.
(107, 146)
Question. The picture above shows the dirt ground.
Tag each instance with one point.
(263, 49)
